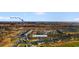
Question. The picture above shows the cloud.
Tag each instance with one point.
(10, 18)
(40, 13)
(76, 19)
(71, 20)
(5, 17)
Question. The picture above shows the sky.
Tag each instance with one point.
(41, 16)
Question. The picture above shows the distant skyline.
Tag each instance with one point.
(42, 16)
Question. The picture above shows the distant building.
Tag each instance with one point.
(39, 35)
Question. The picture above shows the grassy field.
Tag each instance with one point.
(70, 44)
